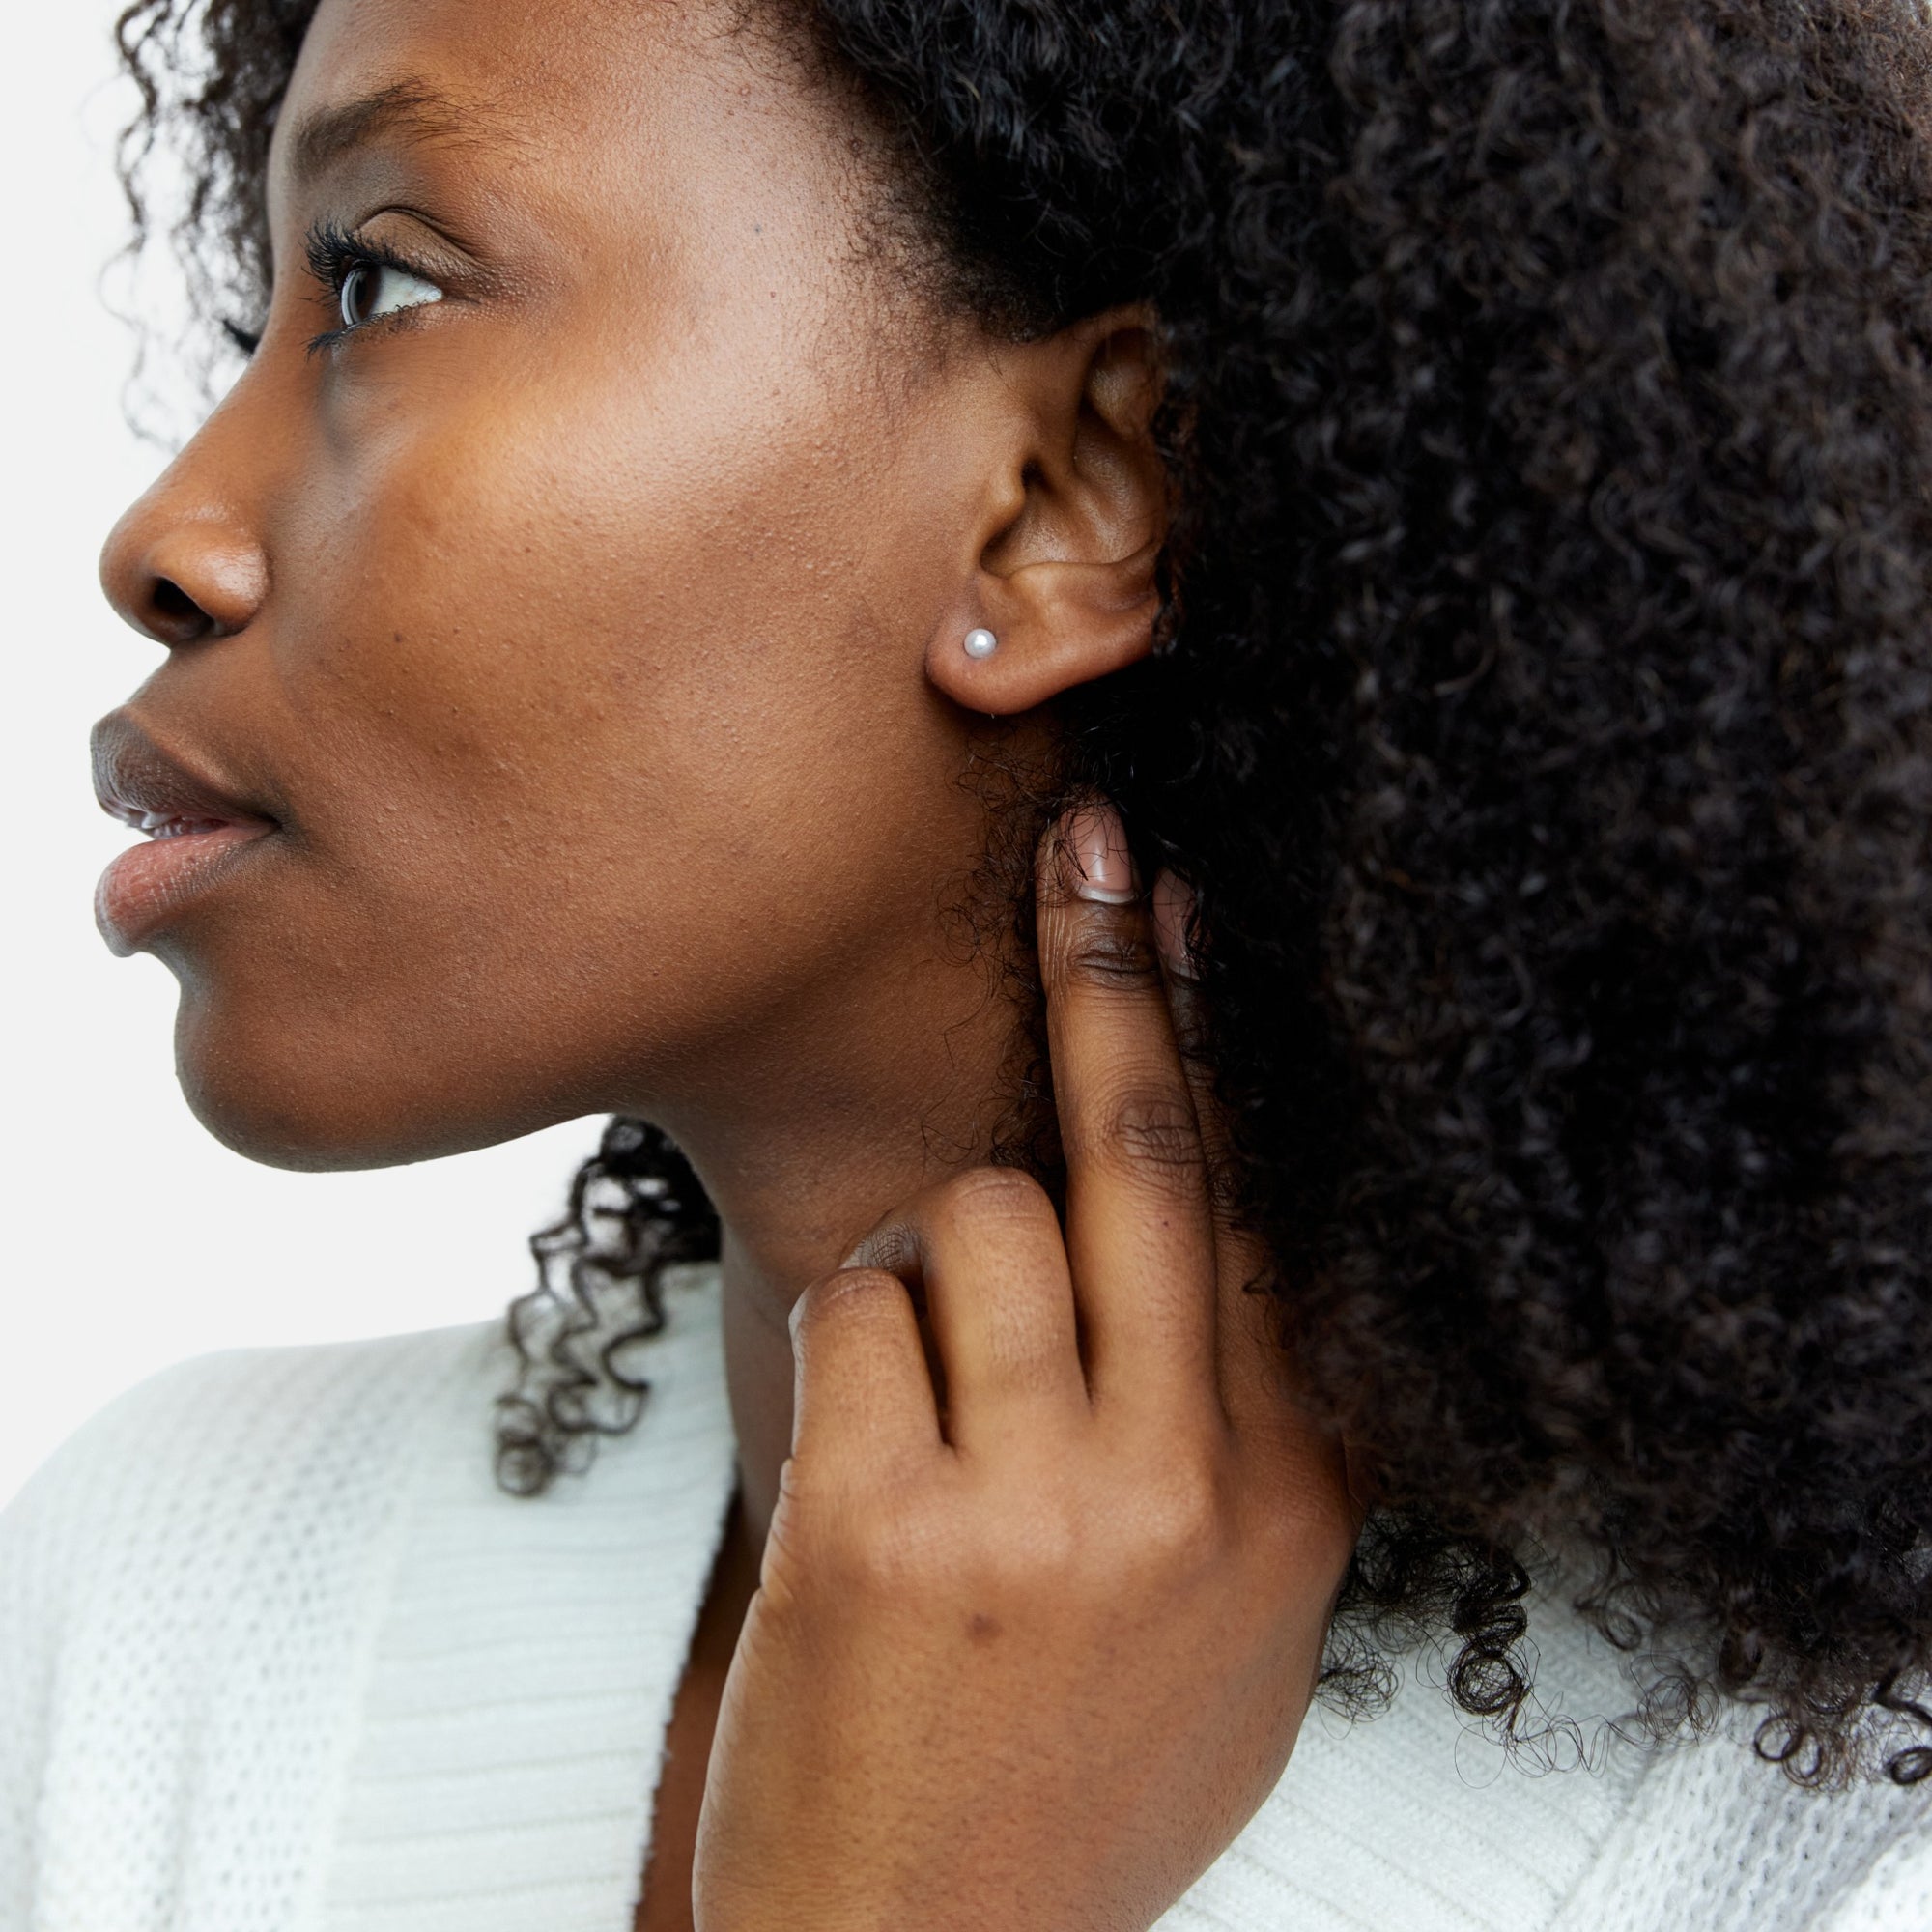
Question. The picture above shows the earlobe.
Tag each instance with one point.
(1062, 624)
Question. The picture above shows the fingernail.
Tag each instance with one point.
(1172, 911)
(1103, 869)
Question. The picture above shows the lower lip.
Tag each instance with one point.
(147, 884)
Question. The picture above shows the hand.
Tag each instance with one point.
(1028, 1649)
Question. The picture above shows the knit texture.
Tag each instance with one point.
(277, 1656)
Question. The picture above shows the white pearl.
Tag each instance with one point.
(981, 643)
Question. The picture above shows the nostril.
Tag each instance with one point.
(176, 608)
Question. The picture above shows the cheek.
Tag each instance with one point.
(651, 642)
(603, 748)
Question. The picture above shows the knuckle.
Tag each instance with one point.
(1309, 1525)
(1143, 1127)
(942, 1544)
(1110, 955)
(894, 1551)
(997, 1194)
(1034, 1554)
(879, 1559)
(856, 1295)
(1181, 1518)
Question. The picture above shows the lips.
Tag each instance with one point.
(196, 830)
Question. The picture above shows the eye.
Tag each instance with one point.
(365, 280)
(372, 290)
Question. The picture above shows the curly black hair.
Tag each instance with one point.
(1543, 726)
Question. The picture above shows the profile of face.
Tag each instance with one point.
(566, 705)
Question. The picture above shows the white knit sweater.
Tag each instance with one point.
(276, 1656)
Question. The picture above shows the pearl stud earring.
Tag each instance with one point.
(980, 643)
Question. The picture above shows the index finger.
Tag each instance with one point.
(1140, 1225)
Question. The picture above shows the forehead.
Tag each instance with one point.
(496, 61)
(588, 92)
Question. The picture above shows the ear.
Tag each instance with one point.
(1072, 532)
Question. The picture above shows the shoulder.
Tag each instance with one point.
(1896, 1894)
(218, 1481)
(1418, 1817)
(245, 1471)
(190, 1482)
(241, 1571)
(209, 1443)
(195, 1559)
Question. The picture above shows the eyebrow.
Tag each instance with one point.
(408, 111)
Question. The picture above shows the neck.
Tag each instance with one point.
(884, 1098)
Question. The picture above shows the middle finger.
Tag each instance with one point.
(1140, 1229)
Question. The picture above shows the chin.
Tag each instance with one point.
(309, 1131)
(293, 1097)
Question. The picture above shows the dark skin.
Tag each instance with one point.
(587, 625)
(666, 1904)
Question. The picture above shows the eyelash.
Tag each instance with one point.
(333, 256)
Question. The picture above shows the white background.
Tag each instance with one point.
(128, 1238)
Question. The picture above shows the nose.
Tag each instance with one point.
(182, 563)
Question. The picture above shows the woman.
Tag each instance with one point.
(766, 562)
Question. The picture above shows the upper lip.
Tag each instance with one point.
(139, 782)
